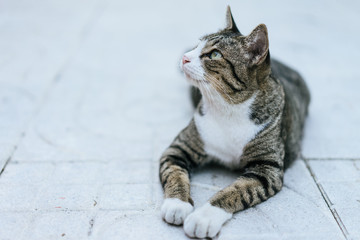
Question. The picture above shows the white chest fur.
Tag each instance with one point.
(225, 133)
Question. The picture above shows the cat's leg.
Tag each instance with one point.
(174, 176)
(185, 153)
(261, 180)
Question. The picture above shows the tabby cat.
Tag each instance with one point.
(250, 117)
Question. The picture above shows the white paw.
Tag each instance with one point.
(205, 221)
(174, 211)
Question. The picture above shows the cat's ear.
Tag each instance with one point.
(257, 45)
(230, 23)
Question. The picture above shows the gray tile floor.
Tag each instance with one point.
(91, 95)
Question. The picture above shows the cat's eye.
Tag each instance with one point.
(215, 55)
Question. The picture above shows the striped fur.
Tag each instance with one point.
(183, 155)
(279, 104)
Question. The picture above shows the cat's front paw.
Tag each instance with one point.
(174, 211)
(205, 221)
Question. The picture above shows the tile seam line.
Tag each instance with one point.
(333, 211)
(95, 13)
(332, 158)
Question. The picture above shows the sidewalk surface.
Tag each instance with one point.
(91, 94)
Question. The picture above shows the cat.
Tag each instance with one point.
(250, 116)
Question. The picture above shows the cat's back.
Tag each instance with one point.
(297, 99)
(291, 80)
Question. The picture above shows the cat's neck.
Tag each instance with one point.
(215, 104)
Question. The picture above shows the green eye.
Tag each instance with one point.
(215, 55)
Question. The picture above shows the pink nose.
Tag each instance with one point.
(185, 59)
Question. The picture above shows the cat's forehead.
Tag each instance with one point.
(221, 38)
(221, 34)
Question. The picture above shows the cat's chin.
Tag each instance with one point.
(192, 81)
(195, 82)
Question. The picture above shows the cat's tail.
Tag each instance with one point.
(195, 96)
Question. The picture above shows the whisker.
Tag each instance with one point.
(204, 79)
(221, 87)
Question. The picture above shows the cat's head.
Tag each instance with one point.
(228, 64)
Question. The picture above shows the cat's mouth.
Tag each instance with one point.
(195, 81)
(193, 77)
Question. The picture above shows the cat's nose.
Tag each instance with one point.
(185, 59)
